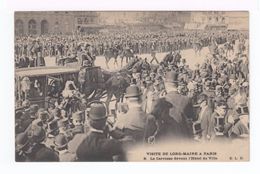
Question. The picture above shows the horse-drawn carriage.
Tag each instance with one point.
(44, 85)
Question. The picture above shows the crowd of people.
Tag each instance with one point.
(168, 102)
(30, 50)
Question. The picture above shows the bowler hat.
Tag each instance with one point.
(171, 76)
(21, 140)
(60, 141)
(97, 111)
(133, 91)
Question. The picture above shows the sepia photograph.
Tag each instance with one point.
(131, 86)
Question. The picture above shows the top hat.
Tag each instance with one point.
(171, 77)
(133, 91)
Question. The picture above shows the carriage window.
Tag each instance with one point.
(37, 87)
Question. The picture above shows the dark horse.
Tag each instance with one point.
(126, 53)
(115, 85)
(111, 53)
(229, 48)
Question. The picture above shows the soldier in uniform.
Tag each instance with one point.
(96, 146)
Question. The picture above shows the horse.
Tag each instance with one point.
(176, 58)
(229, 48)
(167, 59)
(116, 86)
(197, 47)
(126, 53)
(111, 53)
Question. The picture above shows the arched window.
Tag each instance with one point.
(44, 27)
(32, 27)
(56, 27)
(19, 27)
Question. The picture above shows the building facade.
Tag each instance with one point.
(53, 22)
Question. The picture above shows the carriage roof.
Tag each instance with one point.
(43, 71)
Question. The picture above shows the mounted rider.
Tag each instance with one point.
(82, 77)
